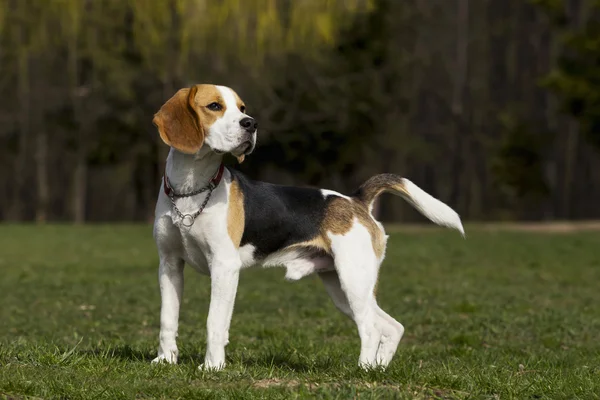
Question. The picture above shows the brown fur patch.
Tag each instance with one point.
(339, 218)
(205, 95)
(318, 242)
(235, 214)
(178, 125)
(378, 184)
(184, 119)
(364, 217)
(238, 101)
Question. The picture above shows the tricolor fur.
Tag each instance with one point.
(248, 223)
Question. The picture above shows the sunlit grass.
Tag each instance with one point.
(499, 315)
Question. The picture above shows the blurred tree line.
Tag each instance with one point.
(490, 105)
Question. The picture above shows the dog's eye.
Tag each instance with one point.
(214, 106)
(243, 109)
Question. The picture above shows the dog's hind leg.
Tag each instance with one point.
(357, 268)
(331, 281)
(390, 331)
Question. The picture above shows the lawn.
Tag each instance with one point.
(501, 315)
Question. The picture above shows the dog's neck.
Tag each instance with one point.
(189, 172)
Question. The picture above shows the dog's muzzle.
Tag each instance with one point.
(245, 148)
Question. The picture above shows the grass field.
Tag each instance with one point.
(499, 316)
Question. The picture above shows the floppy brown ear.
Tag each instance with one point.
(178, 124)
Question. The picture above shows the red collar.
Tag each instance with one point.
(213, 183)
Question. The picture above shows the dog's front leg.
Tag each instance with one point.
(224, 277)
(170, 277)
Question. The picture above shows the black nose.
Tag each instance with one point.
(249, 124)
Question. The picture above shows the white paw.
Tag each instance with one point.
(210, 366)
(370, 366)
(383, 360)
(169, 358)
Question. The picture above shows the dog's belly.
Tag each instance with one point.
(299, 268)
(298, 261)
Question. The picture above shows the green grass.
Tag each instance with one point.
(498, 316)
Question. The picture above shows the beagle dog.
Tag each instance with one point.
(218, 221)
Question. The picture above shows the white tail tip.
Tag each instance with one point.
(432, 208)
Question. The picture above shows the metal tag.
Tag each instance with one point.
(187, 220)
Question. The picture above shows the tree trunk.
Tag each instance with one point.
(548, 112)
(575, 12)
(24, 98)
(462, 174)
(80, 175)
(462, 53)
(79, 178)
(41, 161)
(570, 164)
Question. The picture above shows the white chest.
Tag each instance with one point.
(198, 244)
(194, 256)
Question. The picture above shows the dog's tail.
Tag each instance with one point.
(426, 204)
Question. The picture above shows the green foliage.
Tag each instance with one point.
(518, 165)
(496, 316)
(555, 10)
(312, 145)
(342, 89)
(338, 99)
(576, 77)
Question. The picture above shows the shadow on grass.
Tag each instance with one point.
(120, 352)
(280, 361)
(285, 361)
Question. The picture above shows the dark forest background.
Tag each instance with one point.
(492, 106)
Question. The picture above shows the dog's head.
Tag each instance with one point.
(207, 115)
